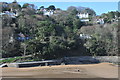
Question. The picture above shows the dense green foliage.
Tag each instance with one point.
(104, 39)
(54, 39)
(76, 10)
(58, 35)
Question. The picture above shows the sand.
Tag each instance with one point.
(102, 70)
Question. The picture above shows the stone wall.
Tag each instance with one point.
(90, 59)
(112, 59)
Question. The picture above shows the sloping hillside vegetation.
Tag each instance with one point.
(30, 32)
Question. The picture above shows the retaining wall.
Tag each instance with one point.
(90, 59)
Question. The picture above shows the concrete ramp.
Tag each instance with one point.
(33, 64)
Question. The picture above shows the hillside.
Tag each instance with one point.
(52, 33)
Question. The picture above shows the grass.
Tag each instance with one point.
(10, 60)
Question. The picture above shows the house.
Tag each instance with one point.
(49, 13)
(8, 13)
(83, 15)
(85, 36)
(46, 12)
(100, 21)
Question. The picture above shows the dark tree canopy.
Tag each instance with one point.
(90, 11)
(42, 7)
(51, 7)
(71, 8)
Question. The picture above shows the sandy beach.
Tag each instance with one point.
(102, 70)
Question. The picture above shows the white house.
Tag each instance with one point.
(100, 21)
(83, 15)
(47, 12)
(85, 36)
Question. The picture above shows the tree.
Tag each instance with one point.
(89, 11)
(51, 7)
(4, 6)
(74, 12)
(14, 6)
(58, 9)
(29, 6)
(28, 9)
(80, 9)
(96, 47)
(40, 12)
(77, 23)
(42, 7)
(71, 8)
(103, 40)
(25, 5)
(117, 13)
(111, 15)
